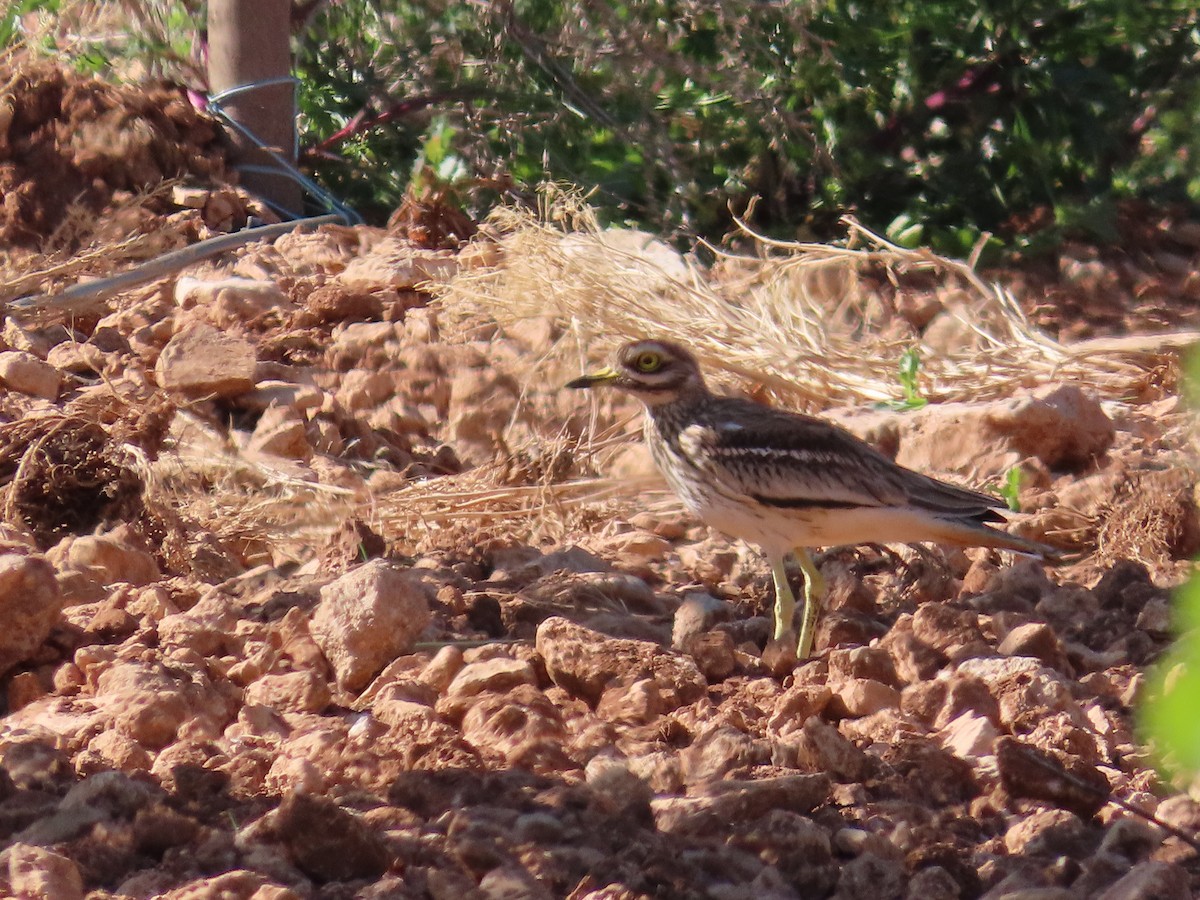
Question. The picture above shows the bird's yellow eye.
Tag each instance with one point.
(648, 362)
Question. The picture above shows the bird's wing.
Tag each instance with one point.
(789, 460)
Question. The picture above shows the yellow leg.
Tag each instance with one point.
(785, 600)
(814, 591)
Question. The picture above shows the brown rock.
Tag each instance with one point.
(281, 431)
(30, 605)
(439, 672)
(717, 752)
(714, 654)
(26, 374)
(495, 675)
(299, 692)
(1037, 640)
(796, 705)
(1151, 881)
(636, 703)
(107, 559)
(1025, 690)
(969, 737)
(858, 697)
(731, 801)
(1048, 832)
(1055, 777)
(862, 662)
(617, 789)
(523, 728)
(120, 751)
(943, 627)
(150, 702)
(584, 662)
(481, 405)
(232, 301)
(1060, 425)
(201, 362)
(819, 747)
(367, 618)
(697, 614)
(328, 843)
(913, 660)
(40, 874)
(869, 877)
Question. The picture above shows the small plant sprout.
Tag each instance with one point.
(1010, 490)
(907, 372)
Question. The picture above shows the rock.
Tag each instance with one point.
(584, 662)
(200, 362)
(1048, 832)
(512, 883)
(523, 728)
(697, 614)
(914, 660)
(1151, 881)
(281, 431)
(732, 801)
(149, 702)
(819, 747)
(794, 844)
(496, 675)
(398, 264)
(943, 627)
(933, 883)
(302, 398)
(796, 705)
(368, 617)
(714, 653)
(616, 789)
(482, 402)
(232, 301)
(717, 752)
(858, 697)
(106, 559)
(1037, 640)
(25, 373)
(297, 692)
(1131, 838)
(439, 672)
(1025, 690)
(40, 874)
(874, 663)
(636, 703)
(868, 877)
(970, 737)
(1060, 425)
(30, 606)
(328, 843)
(1029, 772)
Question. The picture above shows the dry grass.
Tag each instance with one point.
(796, 320)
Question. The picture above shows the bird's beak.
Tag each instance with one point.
(604, 376)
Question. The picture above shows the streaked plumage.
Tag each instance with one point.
(786, 481)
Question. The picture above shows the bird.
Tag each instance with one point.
(788, 482)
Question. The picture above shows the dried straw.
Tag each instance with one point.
(793, 320)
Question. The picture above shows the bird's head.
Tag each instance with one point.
(656, 372)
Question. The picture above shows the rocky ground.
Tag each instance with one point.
(301, 602)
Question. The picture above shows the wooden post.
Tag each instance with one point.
(248, 43)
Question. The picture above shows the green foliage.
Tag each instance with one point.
(1010, 490)
(907, 373)
(1169, 711)
(937, 122)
